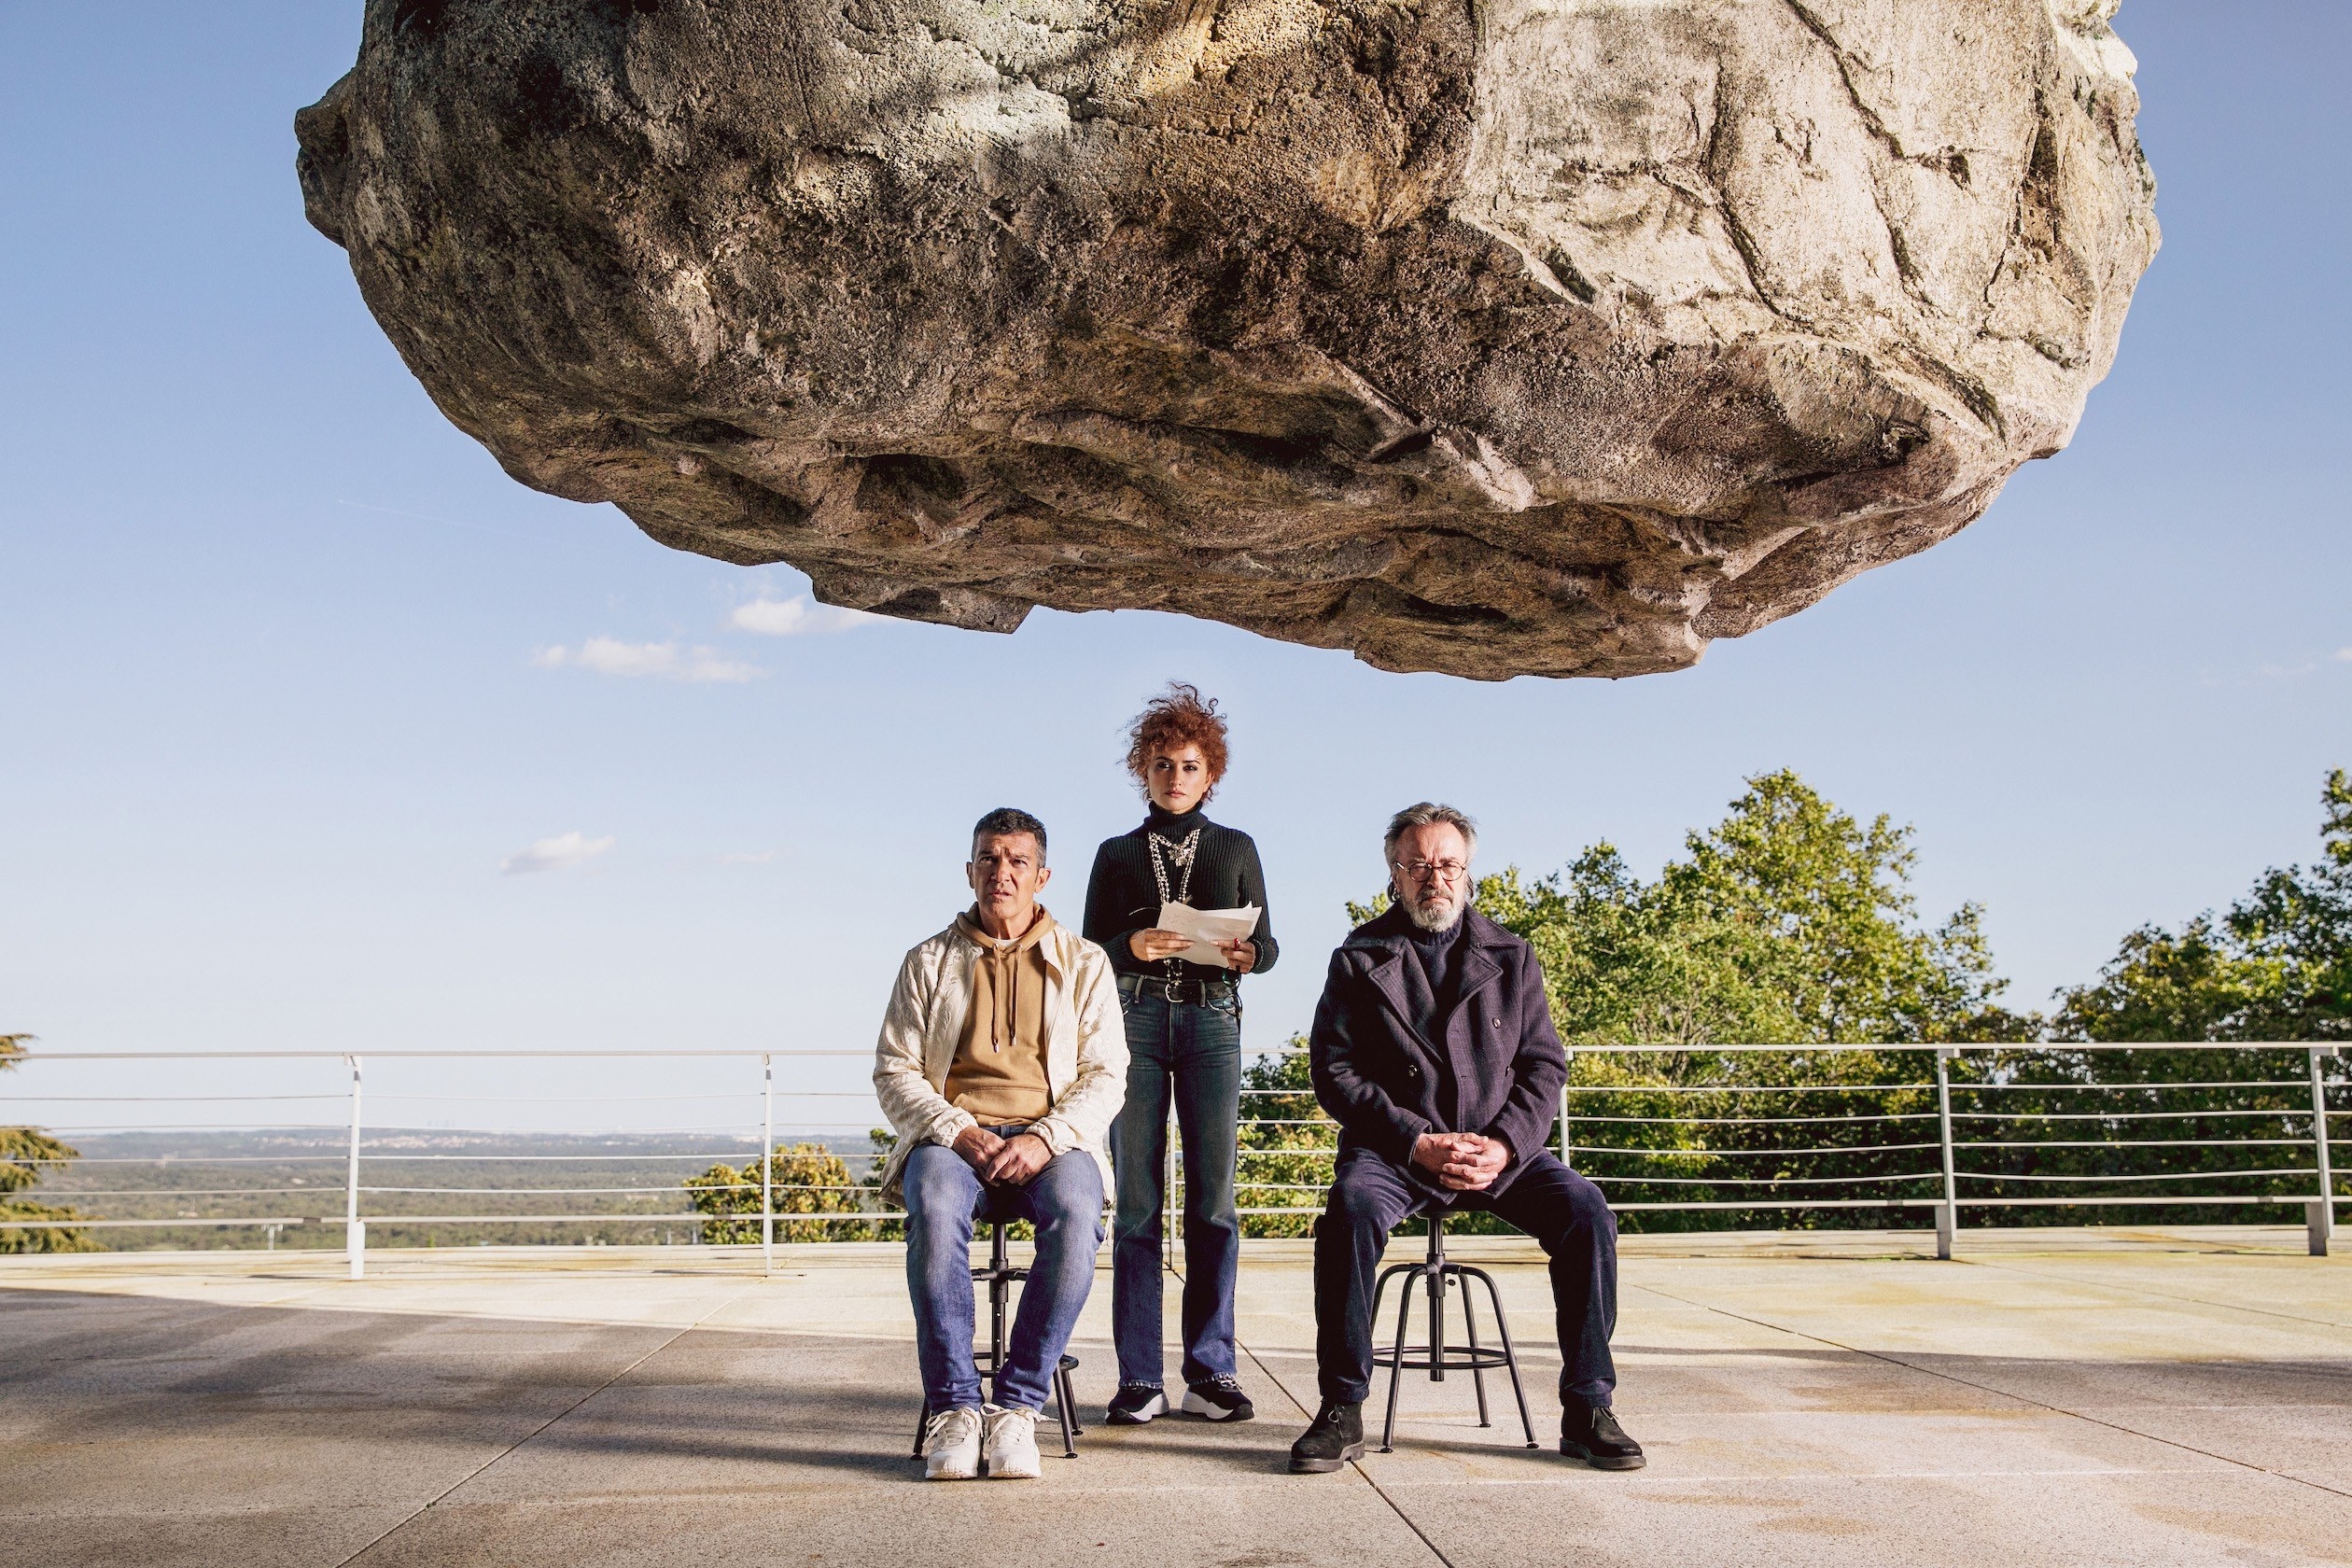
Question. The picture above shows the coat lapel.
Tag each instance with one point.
(1478, 971)
(1388, 978)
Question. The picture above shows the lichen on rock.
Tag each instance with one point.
(1545, 337)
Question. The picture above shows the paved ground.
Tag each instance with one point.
(2142, 1399)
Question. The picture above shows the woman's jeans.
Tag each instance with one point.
(945, 1196)
(1190, 1053)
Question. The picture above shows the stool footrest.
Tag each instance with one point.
(1437, 1279)
(1454, 1358)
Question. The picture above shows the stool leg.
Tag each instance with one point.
(922, 1428)
(1379, 1286)
(1001, 1277)
(1063, 1405)
(1438, 1324)
(1510, 1356)
(1470, 1327)
(1396, 1362)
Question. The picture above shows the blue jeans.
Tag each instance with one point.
(1189, 1052)
(945, 1199)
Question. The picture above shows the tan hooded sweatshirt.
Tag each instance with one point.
(998, 1074)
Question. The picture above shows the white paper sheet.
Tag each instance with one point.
(1207, 928)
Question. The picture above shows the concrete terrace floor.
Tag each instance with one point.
(2054, 1397)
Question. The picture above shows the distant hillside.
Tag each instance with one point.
(298, 1174)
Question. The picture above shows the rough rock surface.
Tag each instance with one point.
(1517, 337)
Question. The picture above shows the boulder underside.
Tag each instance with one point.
(1548, 337)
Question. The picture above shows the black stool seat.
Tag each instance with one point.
(1001, 1275)
(1434, 1275)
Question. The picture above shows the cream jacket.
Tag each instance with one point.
(1086, 1048)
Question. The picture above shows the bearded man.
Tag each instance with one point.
(1433, 1050)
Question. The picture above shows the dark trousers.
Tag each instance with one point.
(1188, 1054)
(1565, 1214)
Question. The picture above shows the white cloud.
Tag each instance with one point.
(554, 854)
(663, 661)
(794, 617)
(2344, 655)
(747, 857)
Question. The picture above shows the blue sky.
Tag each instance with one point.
(278, 706)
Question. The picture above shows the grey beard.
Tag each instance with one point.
(1431, 922)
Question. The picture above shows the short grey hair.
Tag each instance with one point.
(1006, 820)
(1429, 814)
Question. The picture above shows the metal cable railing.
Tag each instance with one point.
(1655, 1147)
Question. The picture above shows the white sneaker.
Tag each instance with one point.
(951, 1445)
(1009, 1449)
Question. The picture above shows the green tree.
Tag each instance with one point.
(1792, 923)
(803, 1179)
(1286, 1146)
(1788, 923)
(2278, 966)
(2299, 919)
(20, 1147)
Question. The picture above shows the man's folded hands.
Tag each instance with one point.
(1462, 1161)
(1013, 1161)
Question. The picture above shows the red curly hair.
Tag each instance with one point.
(1171, 723)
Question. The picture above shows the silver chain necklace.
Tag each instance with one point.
(1163, 850)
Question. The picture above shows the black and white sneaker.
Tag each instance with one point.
(1136, 1404)
(1219, 1399)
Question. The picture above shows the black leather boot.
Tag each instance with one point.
(1590, 1432)
(1336, 1437)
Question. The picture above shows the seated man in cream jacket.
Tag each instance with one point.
(1001, 1064)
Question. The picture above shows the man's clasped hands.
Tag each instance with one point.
(1463, 1161)
(1004, 1161)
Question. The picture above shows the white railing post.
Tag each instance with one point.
(1948, 1211)
(1564, 1145)
(767, 1164)
(2319, 1215)
(355, 1228)
(1168, 1194)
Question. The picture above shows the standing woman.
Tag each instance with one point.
(1183, 1030)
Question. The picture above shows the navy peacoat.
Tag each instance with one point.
(1496, 1067)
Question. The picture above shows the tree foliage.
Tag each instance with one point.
(803, 1179)
(1792, 923)
(2278, 966)
(1286, 1146)
(20, 1147)
(1789, 922)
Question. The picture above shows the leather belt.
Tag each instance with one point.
(1198, 992)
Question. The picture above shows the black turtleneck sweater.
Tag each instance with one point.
(1122, 898)
(1431, 994)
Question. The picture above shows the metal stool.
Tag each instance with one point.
(1001, 1274)
(1434, 1273)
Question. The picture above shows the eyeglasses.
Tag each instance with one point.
(1424, 871)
